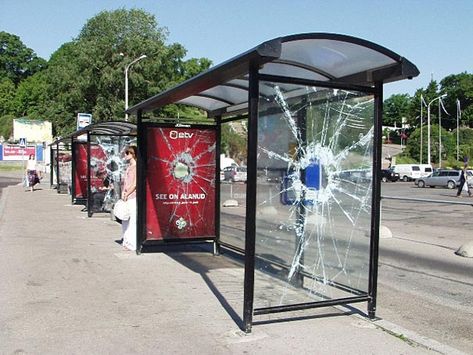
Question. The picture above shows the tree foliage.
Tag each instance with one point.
(395, 108)
(88, 73)
(17, 62)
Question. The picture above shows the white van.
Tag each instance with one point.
(425, 170)
(408, 172)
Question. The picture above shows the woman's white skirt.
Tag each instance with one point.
(129, 226)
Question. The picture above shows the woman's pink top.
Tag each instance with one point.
(130, 180)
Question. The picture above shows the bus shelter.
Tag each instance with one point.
(312, 106)
(61, 165)
(98, 166)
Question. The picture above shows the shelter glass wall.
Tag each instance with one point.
(233, 176)
(107, 169)
(63, 164)
(314, 190)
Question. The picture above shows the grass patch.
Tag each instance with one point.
(11, 167)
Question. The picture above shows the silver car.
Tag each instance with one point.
(443, 178)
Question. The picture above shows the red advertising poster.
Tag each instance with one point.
(98, 168)
(15, 152)
(80, 175)
(180, 183)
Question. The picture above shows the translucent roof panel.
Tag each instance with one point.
(335, 58)
(317, 57)
(108, 128)
(292, 71)
(204, 103)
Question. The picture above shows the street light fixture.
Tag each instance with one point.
(440, 128)
(459, 115)
(126, 82)
(422, 104)
(429, 161)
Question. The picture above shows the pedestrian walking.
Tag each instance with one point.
(463, 182)
(129, 196)
(32, 172)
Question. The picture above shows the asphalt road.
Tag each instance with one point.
(423, 285)
(7, 179)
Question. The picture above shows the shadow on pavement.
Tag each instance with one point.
(200, 259)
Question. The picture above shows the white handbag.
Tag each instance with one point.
(121, 211)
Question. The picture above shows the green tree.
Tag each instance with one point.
(7, 95)
(87, 74)
(395, 108)
(427, 94)
(234, 143)
(458, 87)
(17, 61)
(448, 144)
(6, 126)
(30, 97)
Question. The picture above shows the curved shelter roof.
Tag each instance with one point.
(119, 128)
(330, 59)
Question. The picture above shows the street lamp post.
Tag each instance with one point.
(126, 82)
(459, 113)
(429, 160)
(422, 104)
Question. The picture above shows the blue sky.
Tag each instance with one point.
(436, 35)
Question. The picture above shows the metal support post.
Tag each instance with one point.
(250, 224)
(375, 202)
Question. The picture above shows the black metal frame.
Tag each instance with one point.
(141, 242)
(51, 167)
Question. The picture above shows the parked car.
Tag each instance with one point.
(235, 173)
(443, 178)
(356, 175)
(389, 175)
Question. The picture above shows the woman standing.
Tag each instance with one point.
(31, 172)
(129, 196)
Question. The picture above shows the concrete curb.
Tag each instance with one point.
(414, 338)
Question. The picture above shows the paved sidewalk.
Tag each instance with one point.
(68, 287)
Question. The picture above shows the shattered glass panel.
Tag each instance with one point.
(107, 169)
(314, 189)
(233, 183)
(64, 159)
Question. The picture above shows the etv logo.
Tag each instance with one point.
(180, 135)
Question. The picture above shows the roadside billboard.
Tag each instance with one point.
(180, 183)
(15, 152)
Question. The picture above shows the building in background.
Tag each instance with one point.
(35, 131)
(29, 137)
